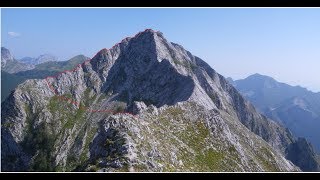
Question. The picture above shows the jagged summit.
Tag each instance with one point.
(148, 56)
(139, 34)
(106, 53)
(188, 117)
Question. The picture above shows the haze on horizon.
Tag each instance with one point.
(283, 43)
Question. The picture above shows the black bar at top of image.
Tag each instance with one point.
(160, 3)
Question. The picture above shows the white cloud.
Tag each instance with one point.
(14, 34)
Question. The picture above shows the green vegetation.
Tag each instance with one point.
(177, 62)
(54, 104)
(36, 74)
(7, 124)
(266, 159)
(113, 145)
(102, 96)
(213, 97)
(65, 111)
(69, 96)
(86, 75)
(186, 64)
(72, 119)
(61, 65)
(91, 132)
(193, 66)
(139, 167)
(74, 162)
(174, 128)
(38, 142)
(8, 83)
(119, 107)
(87, 98)
(124, 168)
(195, 135)
(210, 160)
(174, 111)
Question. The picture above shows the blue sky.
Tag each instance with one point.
(280, 42)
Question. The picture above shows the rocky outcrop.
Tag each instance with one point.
(11, 65)
(301, 153)
(183, 137)
(187, 117)
(5, 56)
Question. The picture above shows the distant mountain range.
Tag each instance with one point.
(41, 59)
(293, 106)
(51, 68)
(16, 72)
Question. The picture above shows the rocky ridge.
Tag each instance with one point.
(188, 117)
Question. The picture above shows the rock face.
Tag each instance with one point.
(187, 117)
(11, 65)
(299, 154)
(5, 56)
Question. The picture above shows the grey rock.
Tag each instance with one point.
(116, 164)
(10, 64)
(138, 107)
(302, 154)
(186, 114)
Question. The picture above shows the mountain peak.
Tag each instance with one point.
(264, 80)
(4, 50)
(152, 78)
(147, 31)
(45, 58)
(140, 36)
(147, 34)
(5, 55)
(40, 59)
(260, 77)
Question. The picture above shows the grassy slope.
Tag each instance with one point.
(8, 83)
